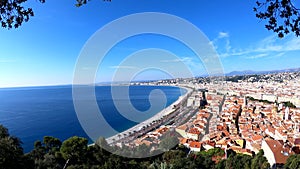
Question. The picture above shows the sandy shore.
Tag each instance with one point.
(157, 116)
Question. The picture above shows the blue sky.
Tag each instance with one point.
(44, 51)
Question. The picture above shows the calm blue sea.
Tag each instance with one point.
(33, 112)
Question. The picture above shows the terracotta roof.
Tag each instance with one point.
(195, 144)
(222, 142)
(277, 149)
(183, 140)
(271, 129)
(162, 130)
(226, 133)
(194, 131)
(256, 146)
(246, 151)
(211, 143)
(281, 131)
(208, 97)
(236, 148)
(219, 127)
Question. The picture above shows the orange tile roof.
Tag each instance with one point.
(256, 146)
(277, 148)
(226, 133)
(183, 140)
(219, 127)
(222, 142)
(194, 131)
(257, 137)
(236, 148)
(162, 130)
(246, 151)
(208, 97)
(271, 129)
(211, 143)
(195, 144)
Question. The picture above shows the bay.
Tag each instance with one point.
(31, 113)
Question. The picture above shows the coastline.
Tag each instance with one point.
(157, 116)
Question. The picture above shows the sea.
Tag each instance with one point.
(30, 113)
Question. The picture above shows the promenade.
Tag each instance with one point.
(156, 121)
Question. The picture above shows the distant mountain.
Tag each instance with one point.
(251, 72)
(245, 72)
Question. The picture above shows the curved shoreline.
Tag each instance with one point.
(157, 116)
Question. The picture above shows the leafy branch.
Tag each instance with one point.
(281, 15)
(13, 13)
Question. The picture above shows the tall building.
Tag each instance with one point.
(286, 113)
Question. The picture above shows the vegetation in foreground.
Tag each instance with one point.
(75, 153)
(281, 16)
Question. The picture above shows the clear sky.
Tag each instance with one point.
(44, 51)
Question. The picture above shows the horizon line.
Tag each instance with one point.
(136, 81)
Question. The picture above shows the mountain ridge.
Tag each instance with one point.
(251, 72)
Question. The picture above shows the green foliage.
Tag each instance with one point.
(293, 162)
(289, 104)
(11, 152)
(173, 155)
(3, 132)
(74, 149)
(142, 150)
(74, 153)
(213, 152)
(159, 165)
(234, 78)
(168, 142)
(242, 161)
(260, 161)
(221, 164)
(251, 98)
(203, 160)
(114, 162)
(259, 100)
(238, 161)
(96, 155)
(52, 143)
(46, 154)
(182, 163)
